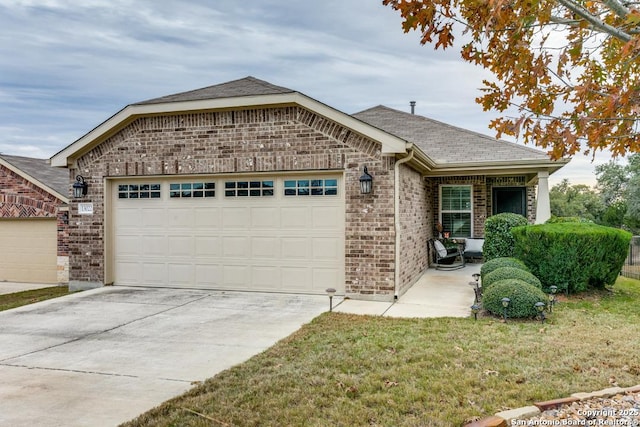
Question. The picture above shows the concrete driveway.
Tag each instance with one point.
(102, 357)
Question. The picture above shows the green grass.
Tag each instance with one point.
(17, 299)
(348, 370)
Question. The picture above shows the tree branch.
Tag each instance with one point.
(597, 23)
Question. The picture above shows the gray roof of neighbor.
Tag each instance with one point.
(445, 143)
(55, 178)
(248, 86)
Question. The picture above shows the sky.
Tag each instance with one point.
(67, 66)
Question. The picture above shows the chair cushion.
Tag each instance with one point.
(442, 251)
(473, 245)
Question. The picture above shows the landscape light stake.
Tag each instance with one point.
(476, 290)
(552, 297)
(505, 304)
(474, 309)
(540, 307)
(331, 292)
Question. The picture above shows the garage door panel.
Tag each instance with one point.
(207, 218)
(236, 217)
(129, 273)
(265, 247)
(235, 247)
(295, 218)
(326, 248)
(180, 218)
(208, 246)
(265, 218)
(296, 279)
(236, 276)
(265, 277)
(153, 218)
(260, 242)
(180, 274)
(208, 275)
(154, 273)
(128, 245)
(295, 248)
(181, 246)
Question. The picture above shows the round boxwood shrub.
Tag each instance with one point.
(496, 263)
(498, 240)
(572, 256)
(503, 273)
(523, 297)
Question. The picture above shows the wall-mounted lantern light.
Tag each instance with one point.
(80, 187)
(365, 182)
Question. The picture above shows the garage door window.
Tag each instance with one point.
(188, 190)
(248, 188)
(139, 191)
(311, 187)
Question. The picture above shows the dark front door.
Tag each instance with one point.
(510, 199)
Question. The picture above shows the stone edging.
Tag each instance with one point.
(504, 418)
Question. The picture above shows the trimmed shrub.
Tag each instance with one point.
(504, 273)
(498, 240)
(496, 263)
(572, 256)
(523, 297)
(560, 219)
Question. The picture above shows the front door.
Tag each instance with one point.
(510, 199)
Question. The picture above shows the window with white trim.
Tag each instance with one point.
(138, 191)
(456, 210)
(248, 188)
(192, 189)
(311, 187)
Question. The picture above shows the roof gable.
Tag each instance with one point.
(444, 143)
(38, 171)
(248, 86)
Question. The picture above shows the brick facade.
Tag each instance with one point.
(416, 226)
(249, 141)
(20, 198)
(482, 196)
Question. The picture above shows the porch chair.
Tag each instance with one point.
(446, 259)
(473, 248)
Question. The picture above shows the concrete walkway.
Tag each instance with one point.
(438, 293)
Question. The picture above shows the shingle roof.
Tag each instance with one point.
(248, 86)
(445, 143)
(39, 169)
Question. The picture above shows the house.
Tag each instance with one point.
(251, 186)
(33, 221)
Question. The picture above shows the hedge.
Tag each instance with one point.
(498, 240)
(523, 298)
(503, 273)
(496, 263)
(572, 256)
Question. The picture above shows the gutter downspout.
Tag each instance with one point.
(396, 198)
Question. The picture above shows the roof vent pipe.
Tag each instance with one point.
(413, 106)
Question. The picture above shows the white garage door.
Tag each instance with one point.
(28, 250)
(260, 234)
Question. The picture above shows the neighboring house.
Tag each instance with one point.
(250, 186)
(34, 221)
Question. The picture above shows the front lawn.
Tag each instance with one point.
(348, 370)
(17, 299)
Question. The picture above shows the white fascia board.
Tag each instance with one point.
(503, 167)
(33, 180)
(390, 143)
